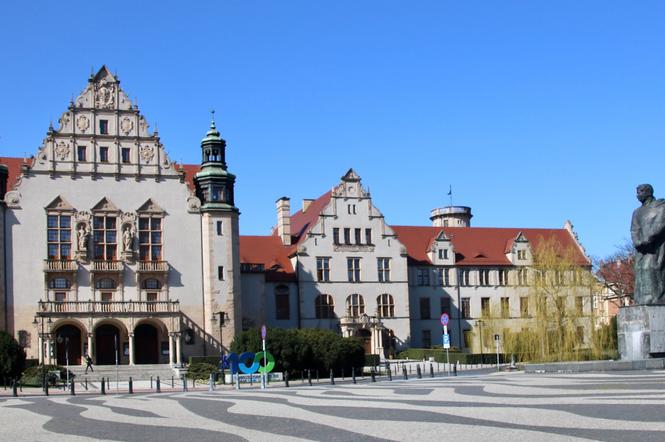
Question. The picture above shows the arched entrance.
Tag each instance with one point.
(146, 344)
(365, 337)
(68, 345)
(107, 344)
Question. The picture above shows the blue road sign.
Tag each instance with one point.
(444, 319)
(446, 341)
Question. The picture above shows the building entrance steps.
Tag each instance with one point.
(123, 372)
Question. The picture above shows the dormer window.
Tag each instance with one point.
(521, 255)
(217, 193)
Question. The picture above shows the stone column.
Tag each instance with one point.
(177, 348)
(48, 350)
(171, 361)
(90, 352)
(131, 349)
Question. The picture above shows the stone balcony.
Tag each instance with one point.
(152, 267)
(120, 308)
(106, 266)
(60, 265)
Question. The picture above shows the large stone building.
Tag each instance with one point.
(110, 248)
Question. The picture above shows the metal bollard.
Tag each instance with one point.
(159, 387)
(131, 386)
(332, 377)
(373, 375)
(14, 388)
(172, 382)
(309, 377)
(390, 374)
(455, 369)
(418, 372)
(317, 375)
(286, 378)
(86, 384)
(103, 387)
(211, 383)
(353, 374)
(108, 383)
(406, 376)
(184, 383)
(302, 376)
(431, 370)
(72, 388)
(46, 388)
(151, 382)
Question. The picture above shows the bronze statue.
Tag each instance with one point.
(648, 233)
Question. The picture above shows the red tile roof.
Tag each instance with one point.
(190, 171)
(14, 166)
(269, 251)
(481, 245)
(302, 222)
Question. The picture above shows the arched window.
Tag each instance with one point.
(152, 284)
(324, 307)
(386, 306)
(282, 303)
(355, 305)
(106, 284)
(59, 283)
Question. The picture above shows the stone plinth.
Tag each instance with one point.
(641, 332)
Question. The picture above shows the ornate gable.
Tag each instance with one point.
(350, 186)
(105, 205)
(60, 204)
(150, 206)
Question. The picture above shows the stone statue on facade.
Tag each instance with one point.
(83, 236)
(127, 239)
(648, 234)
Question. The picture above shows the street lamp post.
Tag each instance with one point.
(223, 317)
(42, 335)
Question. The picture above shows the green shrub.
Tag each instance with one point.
(12, 356)
(296, 350)
(201, 371)
(372, 360)
(33, 376)
(212, 360)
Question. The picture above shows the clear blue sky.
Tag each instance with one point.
(535, 112)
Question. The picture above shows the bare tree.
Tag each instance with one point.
(615, 273)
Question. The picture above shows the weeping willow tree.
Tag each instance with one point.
(555, 316)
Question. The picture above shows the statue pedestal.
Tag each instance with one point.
(641, 332)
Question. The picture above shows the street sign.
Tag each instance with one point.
(446, 341)
(263, 332)
(444, 319)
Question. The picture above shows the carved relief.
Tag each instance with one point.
(62, 150)
(13, 199)
(64, 121)
(193, 204)
(147, 153)
(126, 125)
(82, 123)
(105, 95)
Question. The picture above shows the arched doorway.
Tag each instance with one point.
(68, 345)
(146, 344)
(107, 344)
(365, 337)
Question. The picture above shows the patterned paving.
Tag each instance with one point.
(509, 406)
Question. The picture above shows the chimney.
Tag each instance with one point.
(284, 220)
(4, 174)
(306, 202)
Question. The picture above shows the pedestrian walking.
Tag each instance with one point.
(88, 364)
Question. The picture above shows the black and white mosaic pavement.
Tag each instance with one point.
(627, 406)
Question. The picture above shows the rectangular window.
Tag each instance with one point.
(384, 269)
(522, 277)
(484, 277)
(503, 276)
(347, 235)
(580, 334)
(104, 154)
(351, 209)
(466, 308)
(422, 276)
(220, 226)
(150, 238)
(335, 235)
(468, 336)
(445, 304)
(579, 305)
(464, 277)
(81, 153)
(521, 255)
(353, 266)
(105, 237)
(220, 273)
(444, 277)
(524, 307)
(427, 338)
(59, 236)
(104, 127)
(151, 299)
(425, 312)
(485, 307)
(282, 306)
(106, 298)
(445, 253)
(368, 236)
(323, 269)
(505, 307)
(357, 235)
(125, 154)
